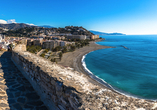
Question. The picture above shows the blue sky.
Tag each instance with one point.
(125, 16)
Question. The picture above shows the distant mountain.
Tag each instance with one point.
(47, 26)
(102, 33)
(14, 26)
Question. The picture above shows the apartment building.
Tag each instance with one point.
(2, 37)
(30, 42)
(38, 42)
(94, 36)
(50, 44)
(62, 43)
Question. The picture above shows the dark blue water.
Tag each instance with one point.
(132, 70)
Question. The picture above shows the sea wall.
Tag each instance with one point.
(66, 89)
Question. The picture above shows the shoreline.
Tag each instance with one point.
(108, 86)
(76, 63)
(77, 58)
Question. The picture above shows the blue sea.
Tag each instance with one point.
(131, 70)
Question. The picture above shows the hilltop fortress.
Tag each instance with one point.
(67, 89)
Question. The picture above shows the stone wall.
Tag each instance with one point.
(50, 88)
(66, 89)
(21, 48)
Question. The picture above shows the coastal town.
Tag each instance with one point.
(50, 43)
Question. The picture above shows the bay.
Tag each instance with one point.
(130, 67)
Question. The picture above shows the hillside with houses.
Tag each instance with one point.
(50, 43)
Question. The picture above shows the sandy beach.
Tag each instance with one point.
(73, 60)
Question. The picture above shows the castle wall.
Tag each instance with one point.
(49, 84)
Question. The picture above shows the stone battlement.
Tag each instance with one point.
(67, 89)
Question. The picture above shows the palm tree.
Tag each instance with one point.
(73, 48)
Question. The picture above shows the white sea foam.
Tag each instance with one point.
(91, 74)
(101, 81)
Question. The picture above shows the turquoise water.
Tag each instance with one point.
(132, 70)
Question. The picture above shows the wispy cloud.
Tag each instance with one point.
(7, 22)
(30, 24)
(11, 21)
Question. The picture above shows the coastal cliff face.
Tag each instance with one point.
(70, 90)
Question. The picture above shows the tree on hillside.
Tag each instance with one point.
(73, 47)
(64, 50)
(42, 55)
(46, 50)
(55, 60)
(68, 46)
(60, 55)
(52, 48)
(58, 48)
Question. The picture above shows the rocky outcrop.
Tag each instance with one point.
(68, 89)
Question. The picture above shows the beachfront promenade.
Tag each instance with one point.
(16, 93)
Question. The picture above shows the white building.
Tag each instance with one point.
(2, 37)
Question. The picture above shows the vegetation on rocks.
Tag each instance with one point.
(42, 55)
(33, 49)
(60, 55)
(58, 48)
